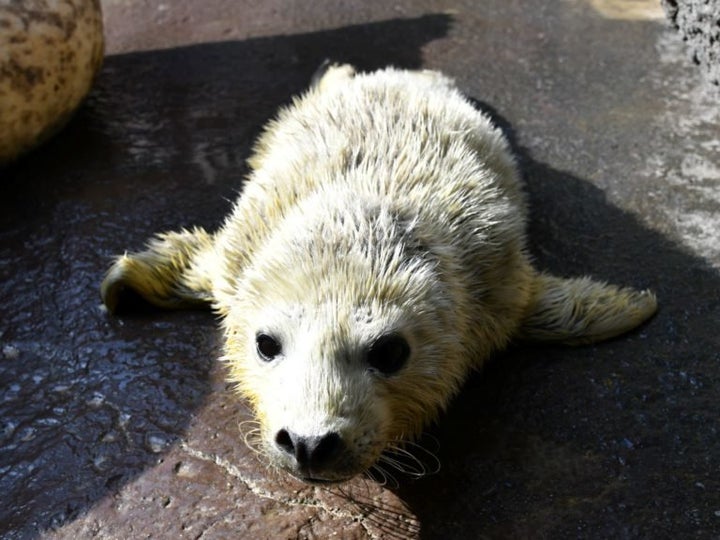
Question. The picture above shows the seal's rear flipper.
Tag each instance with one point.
(320, 72)
(167, 274)
(330, 74)
(577, 311)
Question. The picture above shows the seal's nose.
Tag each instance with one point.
(314, 453)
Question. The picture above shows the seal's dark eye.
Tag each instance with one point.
(388, 354)
(267, 347)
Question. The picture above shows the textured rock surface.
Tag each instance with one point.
(123, 427)
(698, 21)
(50, 51)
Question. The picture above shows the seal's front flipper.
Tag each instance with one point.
(168, 274)
(577, 311)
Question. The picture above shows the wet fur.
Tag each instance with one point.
(377, 202)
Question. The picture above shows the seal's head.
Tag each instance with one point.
(343, 345)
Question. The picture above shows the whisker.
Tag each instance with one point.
(387, 478)
(426, 454)
(404, 468)
(370, 473)
(401, 456)
(250, 431)
(253, 442)
(244, 423)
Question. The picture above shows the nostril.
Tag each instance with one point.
(326, 449)
(294, 445)
(285, 441)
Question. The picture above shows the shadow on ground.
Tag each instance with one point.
(613, 440)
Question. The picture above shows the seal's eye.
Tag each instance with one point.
(388, 354)
(267, 347)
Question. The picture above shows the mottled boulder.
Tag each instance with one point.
(50, 51)
(698, 21)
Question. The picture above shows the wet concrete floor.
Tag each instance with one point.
(123, 427)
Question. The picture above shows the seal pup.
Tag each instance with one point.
(376, 255)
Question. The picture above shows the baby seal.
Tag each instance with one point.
(377, 254)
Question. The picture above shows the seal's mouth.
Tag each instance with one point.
(319, 481)
(314, 480)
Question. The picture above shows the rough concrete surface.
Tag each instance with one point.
(123, 427)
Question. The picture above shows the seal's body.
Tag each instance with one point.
(376, 256)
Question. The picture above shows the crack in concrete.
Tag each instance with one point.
(258, 490)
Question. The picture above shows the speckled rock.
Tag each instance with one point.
(698, 21)
(50, 51)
